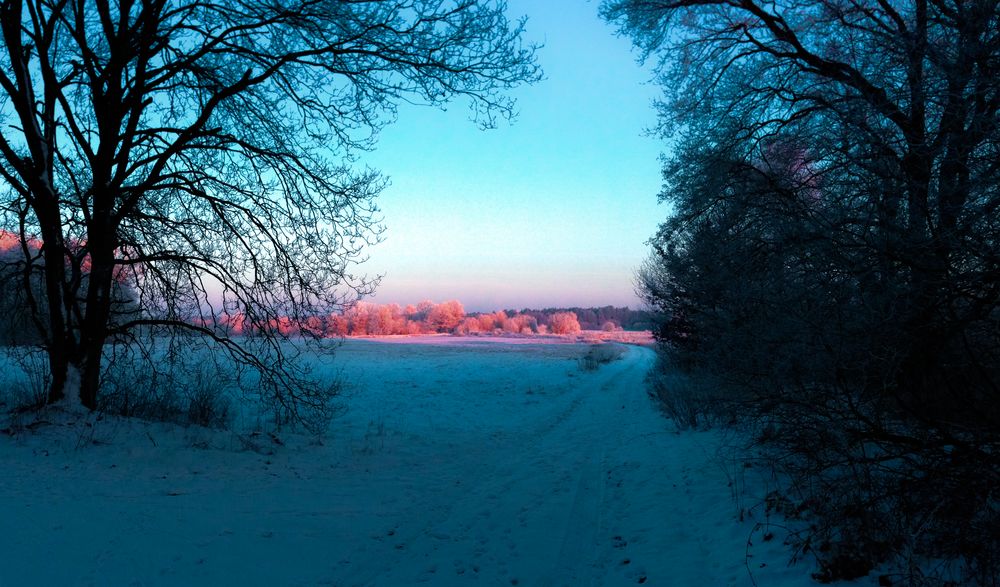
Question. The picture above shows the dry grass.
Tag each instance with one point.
(601, 354)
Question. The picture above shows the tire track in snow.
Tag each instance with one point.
(535, 515)
(482, 485)
(579, 557)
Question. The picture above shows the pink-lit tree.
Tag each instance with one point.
(446, 316)
(563, 323)
(337, 325)
(468, 326)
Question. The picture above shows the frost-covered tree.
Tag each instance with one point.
(469, 325)
(446, 316)
(337, 325)
(564, 323)
(487, 322)
(200, 149)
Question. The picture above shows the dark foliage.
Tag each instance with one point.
(830, 271)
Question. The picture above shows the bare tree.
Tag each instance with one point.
(199, 151)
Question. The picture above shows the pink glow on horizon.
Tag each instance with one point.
(492, 296)
(585, 280)
(10, 241)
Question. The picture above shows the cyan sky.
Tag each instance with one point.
(553, 210)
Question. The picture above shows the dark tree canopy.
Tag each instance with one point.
(199, 152)
(832, 262)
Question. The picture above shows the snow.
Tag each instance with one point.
(454, 464)
(71, 401)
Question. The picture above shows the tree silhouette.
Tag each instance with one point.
(199, 151)
(831, 270)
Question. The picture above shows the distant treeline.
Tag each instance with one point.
(598, 318)
(360, 319)
(427, 317)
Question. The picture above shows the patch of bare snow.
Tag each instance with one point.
(488, 465)
(71, 402)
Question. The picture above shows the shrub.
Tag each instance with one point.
(26, 377)
(600, 354)
(187, 387)
(689, 402)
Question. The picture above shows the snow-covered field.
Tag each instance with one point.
(484, 463)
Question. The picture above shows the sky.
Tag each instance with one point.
(553, 210)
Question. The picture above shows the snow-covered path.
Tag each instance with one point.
(539, 510)
(592, 489)
(495, 466)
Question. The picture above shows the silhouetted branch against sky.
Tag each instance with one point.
(201, 143)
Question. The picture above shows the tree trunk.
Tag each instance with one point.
(58, 338)
(98, 311)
